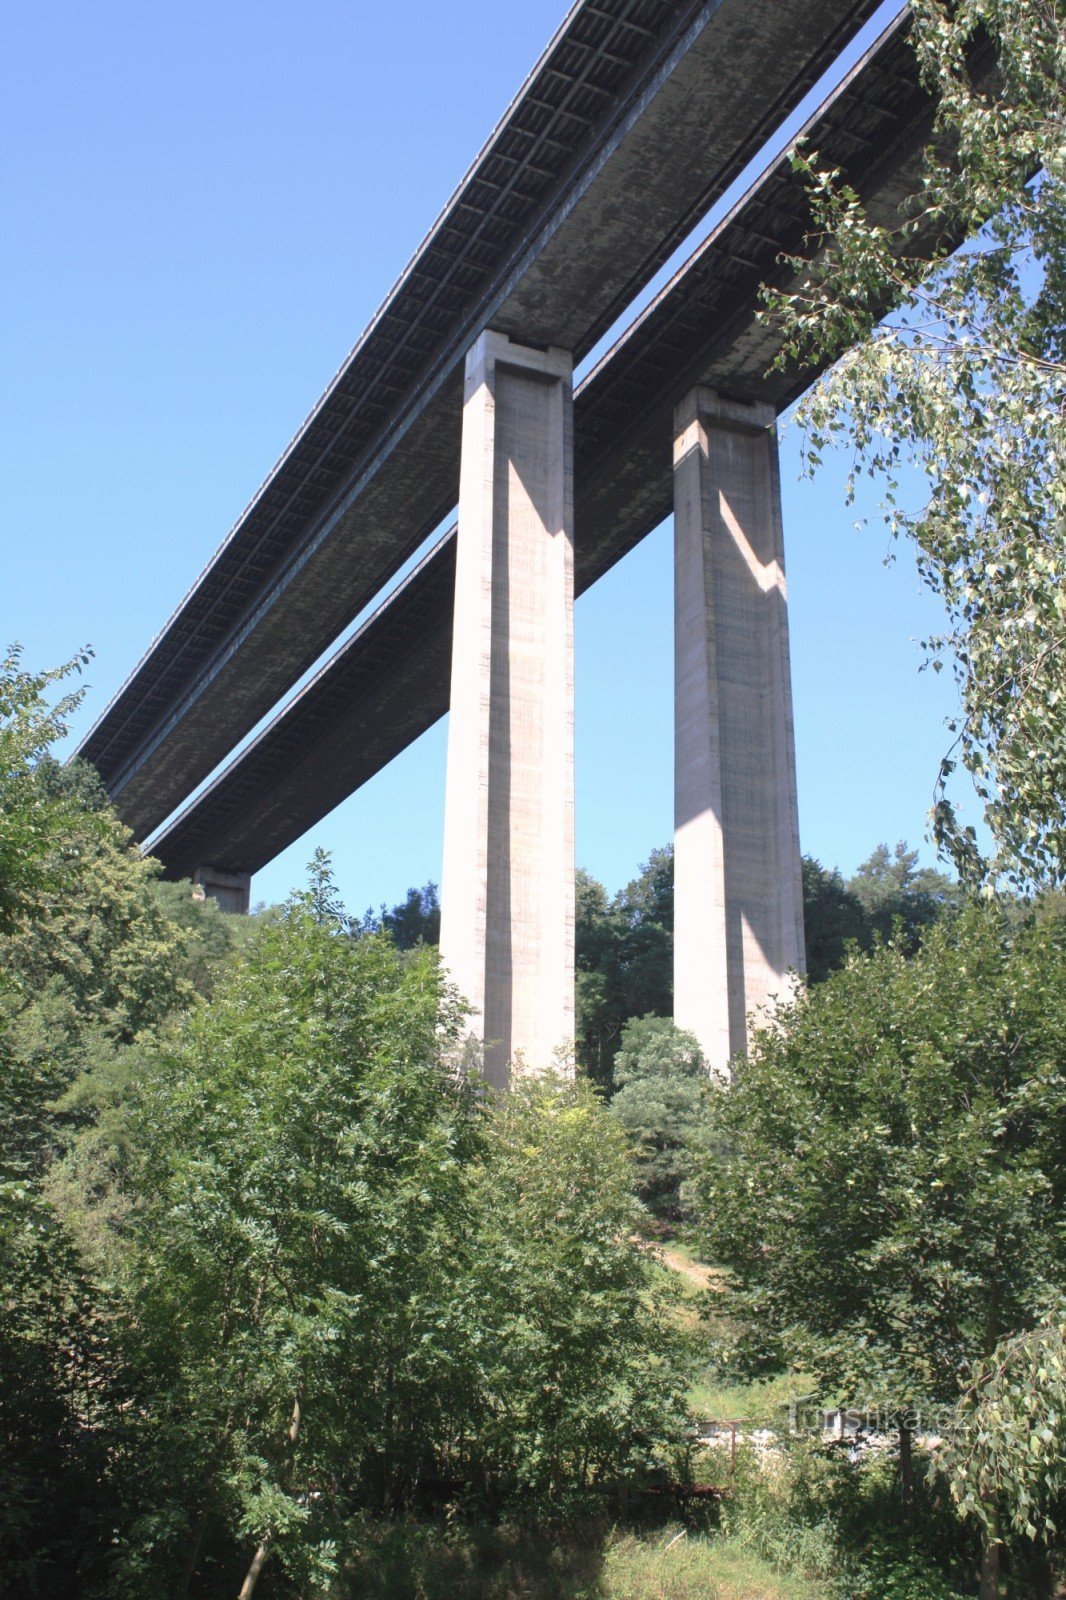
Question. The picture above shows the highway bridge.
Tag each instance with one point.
(638, 117)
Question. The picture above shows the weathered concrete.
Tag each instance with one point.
(507, 890)
(738, 909)
(232, 890)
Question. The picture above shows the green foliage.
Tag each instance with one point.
(805, 1508)
(966, 383)
(662, 1079)
(32, 822)
(833, 919)
(270, 1266)
(786, 1506)
(888, 895)
(578, 1381)
(891, 1200)
(624, 953)
(297, 1166)
(96, 966)
(891, 1570)
(649, 897)
(106, 944)
(464, 1559)
(209, 936)
(1006, 1454)
(412, 921)
(900, 898)
(345, 1277)
(580, 1560)
(60, 1390)
(624, 946)
(87, 960)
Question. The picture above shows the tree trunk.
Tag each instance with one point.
(251, 1577)
(990, 1584)
(193, 1560)
(906, 1469)
(991, 1588)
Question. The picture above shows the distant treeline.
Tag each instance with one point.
(625, 942)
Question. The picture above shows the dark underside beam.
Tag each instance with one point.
(639, 115)
(390, 682)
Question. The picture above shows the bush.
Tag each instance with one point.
(350, 1282)
(786, 1506)
(807, 1509)
(662, 1080)
(578, 1381)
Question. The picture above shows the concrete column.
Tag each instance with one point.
(232, 890)
(738, 907)
(507, 890)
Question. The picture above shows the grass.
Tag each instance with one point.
(694, 1567)
(464, 1561)
(474, 1561)
(412, 1561)
(760, 1404)
(689, 1280)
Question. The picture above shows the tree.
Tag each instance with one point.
(649, 897)
(624, 945)
(31, 821)
(1006, 1455)
(598, 935)
(891, 1199)
(412, 921)
(833, 919)
(346, 1275)
(61, 1396)
(623, 955)
(624, 959)
(662, 1084)
(247, 1289)
(966, 384)
(296, 1158)
(97, 964)
(895, 893)
(209, 935)
(579, 1382)
(87, 961)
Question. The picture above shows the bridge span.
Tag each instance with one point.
(637, 118)
(389, 683)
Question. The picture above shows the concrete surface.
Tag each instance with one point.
(738, 906)
(507, 890)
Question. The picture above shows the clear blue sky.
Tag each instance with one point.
(203, 206)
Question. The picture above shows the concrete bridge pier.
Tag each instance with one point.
(507, 891)
(232, 890)
(738, 907)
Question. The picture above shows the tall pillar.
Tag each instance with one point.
(738, 911)
(232, 890)
(507, 890)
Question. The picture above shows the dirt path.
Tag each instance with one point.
(696, 1273)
